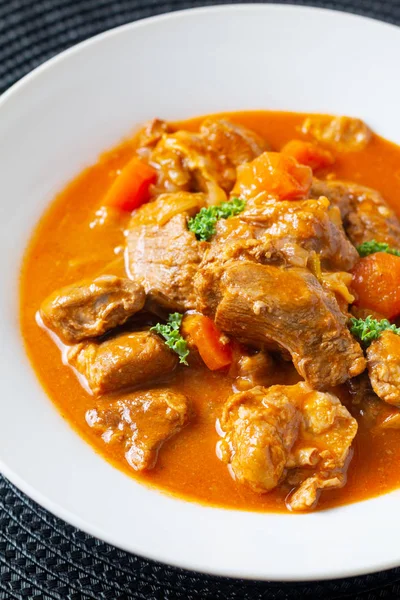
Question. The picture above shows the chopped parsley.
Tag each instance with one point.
(170, 331)
(369, 329)
(373, 246)
(203, 224)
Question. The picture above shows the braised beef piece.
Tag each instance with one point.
(371, 218)
(184, 163)
(287, 432)
(299, 238)
(204, 161)
(141, 421)
(151, 133)
(234, 228)
(126, 360)
(260, 427)
(383, 360)
(218, 256)
(253, 369)
(359, 388)
(160, 211)
(344, 134)
(363, 403)
(260, 304)
(165, 260)
(365, 213)
(232, 143)
(91, 307)
(313, 225)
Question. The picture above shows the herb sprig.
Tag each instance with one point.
(373, 246)
(369, 329)
(170, 331)
(203, 224)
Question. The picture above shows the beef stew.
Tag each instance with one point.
(224, 294)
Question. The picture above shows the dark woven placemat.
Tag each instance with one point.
(42, 557)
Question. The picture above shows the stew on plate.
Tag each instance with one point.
(213, 306)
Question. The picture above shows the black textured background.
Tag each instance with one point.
(41, 557)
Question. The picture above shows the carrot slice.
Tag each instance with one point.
(376, 283)
(307, 153)
(276, 174)
(131, 187)
(205, 335)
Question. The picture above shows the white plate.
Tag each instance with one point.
(55, 122)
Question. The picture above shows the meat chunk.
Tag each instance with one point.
(184, 163)
(383, 359)
(141, 421)
(127, 360)
(223, 253)
(253, 369)
(371, 218)
(260, 426)
(365, 213)
(151, 134)
(263, 303)
(287, 432)
(314, 225)
(307, 495)
(233, 144)
(365, 404)
(204, 162)
(299, 228)
(327, 427)
(320, 412)
(337, 192)
(166, 206)
(233, 229)
(165, 260)
(344, 134)
(338, 283)
(90, 308)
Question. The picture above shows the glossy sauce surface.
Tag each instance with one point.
(71, 242)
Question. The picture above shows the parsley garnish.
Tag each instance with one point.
(203, 224)
(369, 329)
(173, 339)
(373, 246)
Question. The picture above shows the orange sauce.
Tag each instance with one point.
(65, 248)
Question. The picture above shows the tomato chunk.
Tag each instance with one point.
(307, 153)
(277, 174)
(131, 187)
(376, 283)
(205, 335)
